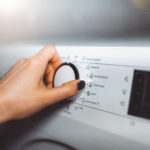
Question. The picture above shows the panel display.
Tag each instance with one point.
(140, 95)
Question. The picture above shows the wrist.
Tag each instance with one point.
(5, 114)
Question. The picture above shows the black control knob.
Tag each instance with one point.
(64, 73)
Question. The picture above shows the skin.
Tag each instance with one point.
(22, 90)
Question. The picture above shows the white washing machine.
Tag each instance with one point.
(112, 113)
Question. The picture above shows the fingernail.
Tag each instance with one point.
(81, 85)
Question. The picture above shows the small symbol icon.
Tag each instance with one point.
(83, 58)
(122, 103)
(90, 84)
(83, 100)
(126, 78)
(68, 57)
(140, 79)
(88, 67)
(88, 93)
(91, 75)
(67, 107)
(132, 123)
(75, 107)
(124, 91)
(76, 57)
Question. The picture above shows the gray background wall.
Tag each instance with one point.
(42, 21)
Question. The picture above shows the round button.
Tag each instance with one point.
(64, 73)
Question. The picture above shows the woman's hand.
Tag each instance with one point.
(22, 90)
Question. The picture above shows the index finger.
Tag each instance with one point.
(48, 54)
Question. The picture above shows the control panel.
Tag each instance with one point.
(116, 95)
(108, 87)
(113, 88)
(140, 95)
(121, 89)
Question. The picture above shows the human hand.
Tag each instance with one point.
(22, 90)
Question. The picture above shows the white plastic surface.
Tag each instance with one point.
(64, 74)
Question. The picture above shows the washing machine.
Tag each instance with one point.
(108, 41)
(111, 113)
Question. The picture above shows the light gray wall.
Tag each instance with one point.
(72, 20)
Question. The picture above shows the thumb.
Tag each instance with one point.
(50, 96)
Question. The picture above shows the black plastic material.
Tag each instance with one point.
(140, 94)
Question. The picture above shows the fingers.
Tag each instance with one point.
(60, 93)
(49, 73)
(48, 54)
(47, 60)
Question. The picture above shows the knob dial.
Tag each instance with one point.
(64, 73)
